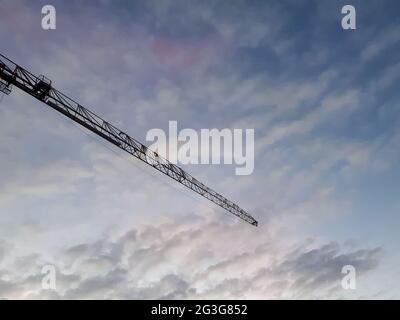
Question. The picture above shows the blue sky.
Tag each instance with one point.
(324, 105)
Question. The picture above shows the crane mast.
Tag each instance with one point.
(41, 88)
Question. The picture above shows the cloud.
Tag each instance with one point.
(384, 40)
(330, 106)
(179, 260)
(324, 122)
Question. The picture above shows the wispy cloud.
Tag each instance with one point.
(324, 106)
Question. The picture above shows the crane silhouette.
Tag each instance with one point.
(41, 88)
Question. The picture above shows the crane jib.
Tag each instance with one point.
(41, 88)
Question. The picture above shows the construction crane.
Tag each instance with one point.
(41, 88)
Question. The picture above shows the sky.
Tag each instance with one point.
(323, 102)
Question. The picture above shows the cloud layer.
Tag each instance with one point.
(192, 259)
(324, 106)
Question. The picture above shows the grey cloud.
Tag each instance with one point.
(76, 190)
(320, 267)
(99, 287)
(4, 247)
(162, 267)
(7, 289)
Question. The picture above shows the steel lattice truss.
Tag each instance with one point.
(41, 88)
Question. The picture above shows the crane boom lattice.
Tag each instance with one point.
(41, 88)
